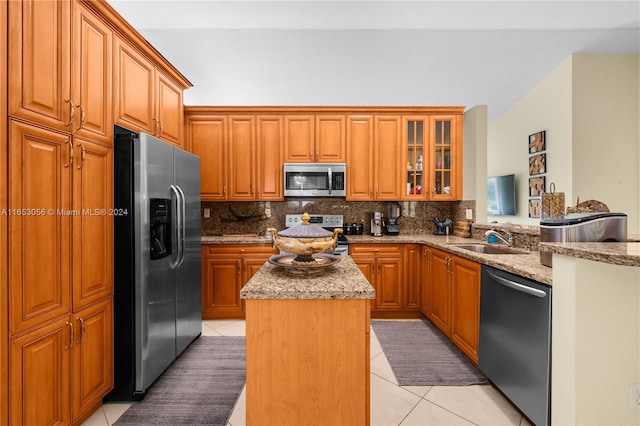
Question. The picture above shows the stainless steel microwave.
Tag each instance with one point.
(315, 180)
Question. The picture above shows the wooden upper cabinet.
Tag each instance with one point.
(92, 230)
(241, 157)
(269, 157)
(91, 83)
(315, 138)
(40, 62)
(360, 158)
(387, 137)
(445, 158)
(240, 154)
(145, 99)
(60, 64)
(134, 89)
(299, 138)
(432, 157)
(206, 137)
(373, 158)
(39, 266)
(170, 111)
(330, 140)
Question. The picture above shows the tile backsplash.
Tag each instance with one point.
(247, 217)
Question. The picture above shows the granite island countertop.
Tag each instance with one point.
(624, 253)
(344, 280)
(526, 264)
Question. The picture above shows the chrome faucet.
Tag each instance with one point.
(509, 241)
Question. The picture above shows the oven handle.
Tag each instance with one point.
(330, 179)
(518, 287)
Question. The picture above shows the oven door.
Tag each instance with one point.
(314, 180)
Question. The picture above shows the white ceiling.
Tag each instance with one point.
(498, 50)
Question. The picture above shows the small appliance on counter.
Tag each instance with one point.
(376, 224)
(391, 226)
(582, 228)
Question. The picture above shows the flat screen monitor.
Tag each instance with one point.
(501, 195)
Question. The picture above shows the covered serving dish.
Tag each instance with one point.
(305, 240)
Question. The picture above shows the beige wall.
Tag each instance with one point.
(475, 159)
(588, 107)
(546, 107)
(605, 132)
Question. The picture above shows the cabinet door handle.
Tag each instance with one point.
(224, 192)
(72, 112)
(70, 163)
(70, 335)
(239, 267)
(370, 192)
(161, 127)
(82, 115)
(83, 155)
(82, 330)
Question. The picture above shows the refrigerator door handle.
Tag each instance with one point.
(177, 227)
(183, 226)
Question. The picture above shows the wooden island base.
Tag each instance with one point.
(307, 362)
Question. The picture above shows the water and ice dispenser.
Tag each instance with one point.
(160, 232)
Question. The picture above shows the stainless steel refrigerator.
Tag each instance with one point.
(157, 259)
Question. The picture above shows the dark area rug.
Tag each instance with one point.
(420, 355)
(200, 388)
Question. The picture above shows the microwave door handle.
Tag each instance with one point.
(330, 179)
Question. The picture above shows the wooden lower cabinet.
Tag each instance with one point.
(61, 371)
(382, 265)
(411, 267)
(454, 299)
(308, 362)
(440, 291)
(465, 306)
(226, 268)
(425, 271)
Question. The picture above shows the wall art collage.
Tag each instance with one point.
(537, 171)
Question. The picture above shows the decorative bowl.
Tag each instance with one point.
(304, 240)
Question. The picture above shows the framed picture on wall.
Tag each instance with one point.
(537, 164)
(537, 142)
(536, 186)
(535, 207)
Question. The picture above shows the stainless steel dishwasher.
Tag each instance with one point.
(514, 348)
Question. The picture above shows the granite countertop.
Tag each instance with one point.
(340, 281)
(234, 239)
(526, 264)
(625, 253)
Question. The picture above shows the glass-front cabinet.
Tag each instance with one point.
(432, 158)
(415, 151)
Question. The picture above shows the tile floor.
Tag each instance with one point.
(390, 404)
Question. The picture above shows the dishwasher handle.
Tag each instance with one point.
(518, 287)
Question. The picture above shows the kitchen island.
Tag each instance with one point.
(596, 332)
(308, 346)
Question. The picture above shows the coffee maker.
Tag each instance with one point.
(391, 226)
(376, 224)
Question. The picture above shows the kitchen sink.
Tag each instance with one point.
(489, 249)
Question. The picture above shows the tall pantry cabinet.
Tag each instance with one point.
(60, 239)
(56, 207)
